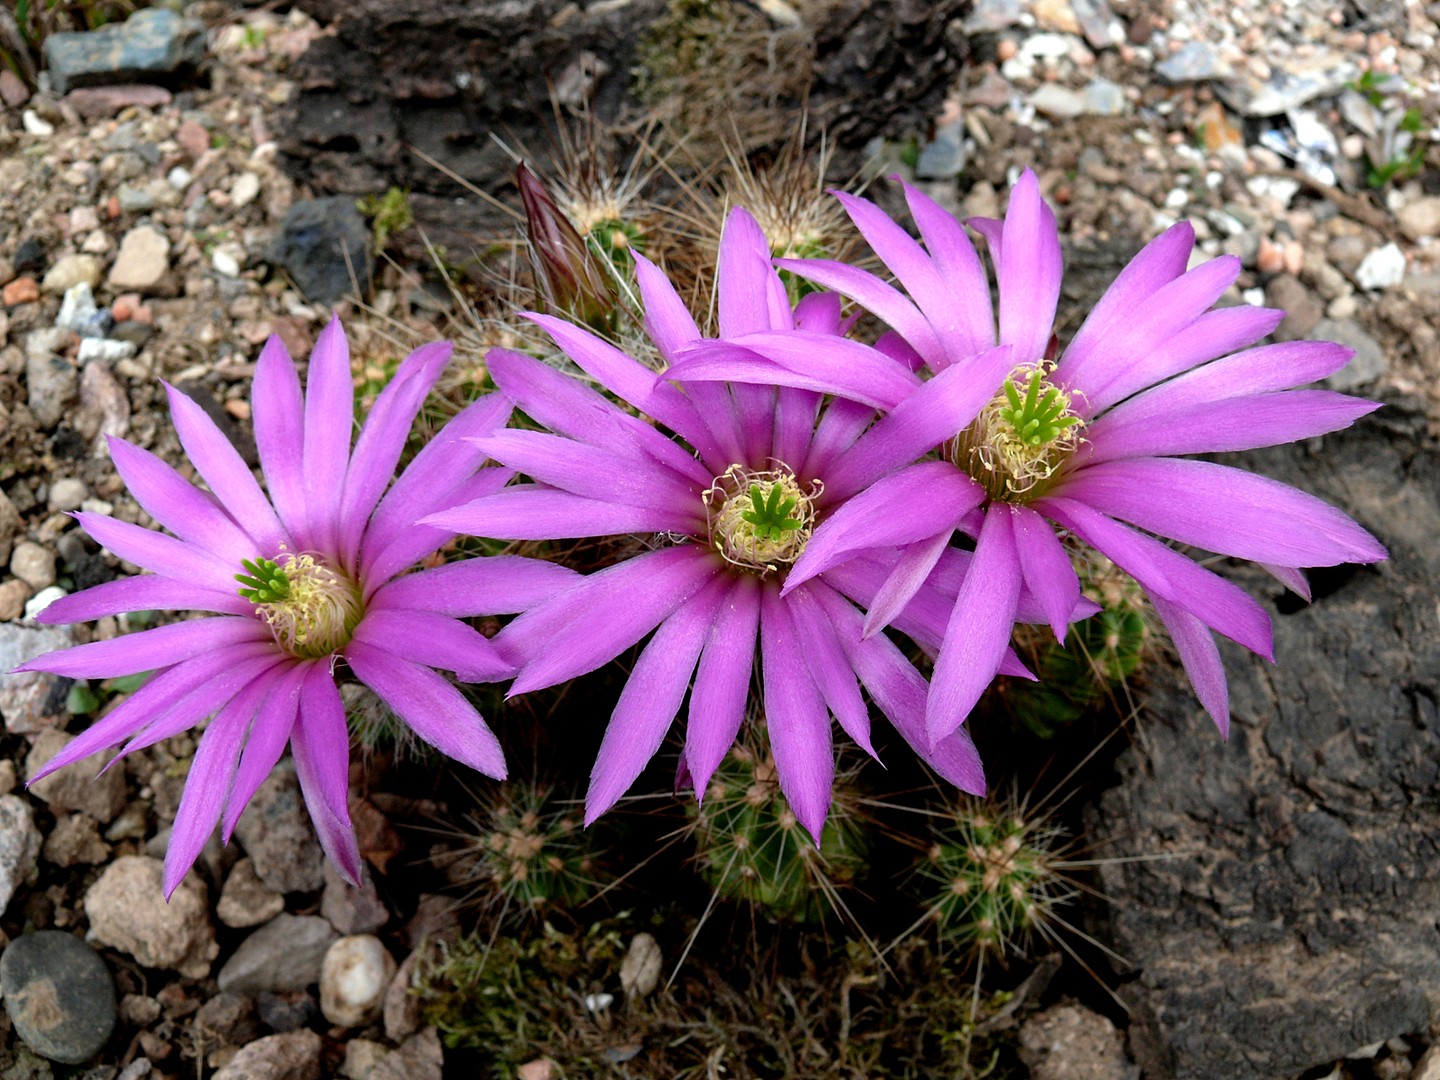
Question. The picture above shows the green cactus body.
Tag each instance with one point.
(990, 877)
(751, 848)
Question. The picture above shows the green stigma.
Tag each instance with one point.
(311, 608)
(1039, 418)
(760, 520)
(263, 582)
(1022, 438)
(770, 515)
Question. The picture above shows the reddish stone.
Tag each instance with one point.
(21, 291)
(12, 91)
(97, 101)
(193, 139)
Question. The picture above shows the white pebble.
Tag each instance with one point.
(35, 126)
(179, 178)
(353, 978)
(103, 349)
(41, 600)
(1383, 268)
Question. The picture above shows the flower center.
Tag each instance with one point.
(1019, 440)
(311, 609)
(760, 520)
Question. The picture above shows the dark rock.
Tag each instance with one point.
(438, 77)
(59, 995)
(29, 256)
(325, 248)
(290, 1011)
(153, 45)
(227, 1019)
(1294, 921)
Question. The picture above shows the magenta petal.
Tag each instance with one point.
(148, 592)
(494, 585)
(722, 681)
(743, 277)
(563, 638)
(1157, 264)
(1225, 510)
(378, 449)
(178, 505)
(840, 425)
(1291, 577)
(899, 588)
(422, 538)
(1201, 660)
(819, 313)
(320, 745)
(796, 717)
(425, 637)
(1166, 573)
(651, 698)
(443, 467)
(209, 779)
(430, 706)
(329, 416)
(833, 674)
(152, 699)
(590, 472)
(993, 230)
(150, 649)
(899, 691)
(218, 462)
(929, 417)
(668, 321)
(165, 555)
(1243, 423)
(629, 380)
(885, 302)
(979, 630)
(279, 417)
(530, 512)
(968, 322)
(1047, 570)
(269, 734)
(205, 699)
(910, 505)
(1028, 270)
(569, 407)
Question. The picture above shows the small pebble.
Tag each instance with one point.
(353, 979)
(33, 564)
(42, 599)
(68, 493)
(36, 126)
(59, 994)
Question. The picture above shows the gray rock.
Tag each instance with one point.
(67, 493)
(76, 786)
(1293, 920)
(320, 242)
(246, 900)
(276, 832)
(1303, 309)
(59, 995)
(127, 911)
(153, 45)
(349, 909)
(23, 697)
(19, 846)
(401, 1010)
(1369, 361)
(943, 157)
(990, 16)
(50, 380)
(1196, 61)
(33, 564)
(228, 1019)
(284, 954)
(1069, 1042)
(353, 978)
(1105, 98)
(420, 1057)
(1098, 23)
(640, 971)
(294, 1055)
(104, 405)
